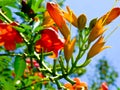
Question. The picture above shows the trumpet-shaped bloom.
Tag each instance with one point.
(69, 48)
(58, 17)
(97, 48)
(55, 13)
(70, 16)
(77, 86)
(9, 36)
(49, 41)
(99, 29)
(111, 15)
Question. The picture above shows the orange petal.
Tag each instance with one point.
(69, 48)
(55, 13)
(68, 86)
(70, 16)
(97, 48)
(110, 16)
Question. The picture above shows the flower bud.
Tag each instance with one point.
(69, 48)
(92, 23)
(82, 19)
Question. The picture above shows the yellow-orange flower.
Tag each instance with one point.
(69, 48)
(99, 29)
(58, 17)
(97, 48)
(48, 21)
(70, 16)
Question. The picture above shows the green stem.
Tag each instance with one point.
(11, 55)
(62, 65)
(5, 17)
(69, 80)
(54, 66)
(58, 84)
(48, 69)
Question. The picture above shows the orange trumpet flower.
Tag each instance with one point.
(99, 29)
(58, 17)
(69, 48)
(9, 37)
(49, 41)
(97, 48)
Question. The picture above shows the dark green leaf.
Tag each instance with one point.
(19, 66)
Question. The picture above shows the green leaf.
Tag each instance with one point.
(22, 15)
(7, 12)
(7, 3)
(19, 66)
(36, 38)
(39, 28)
(19, 29)
(36, 5)
(26, 26)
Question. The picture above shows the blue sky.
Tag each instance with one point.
(97, 8)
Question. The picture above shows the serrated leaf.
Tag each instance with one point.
(19, 66)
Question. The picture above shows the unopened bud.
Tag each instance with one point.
(92, 23)
(82, 19)
(69, 48)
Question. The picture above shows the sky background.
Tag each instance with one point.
(97, 8)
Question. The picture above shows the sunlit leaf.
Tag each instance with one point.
(7, 3)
